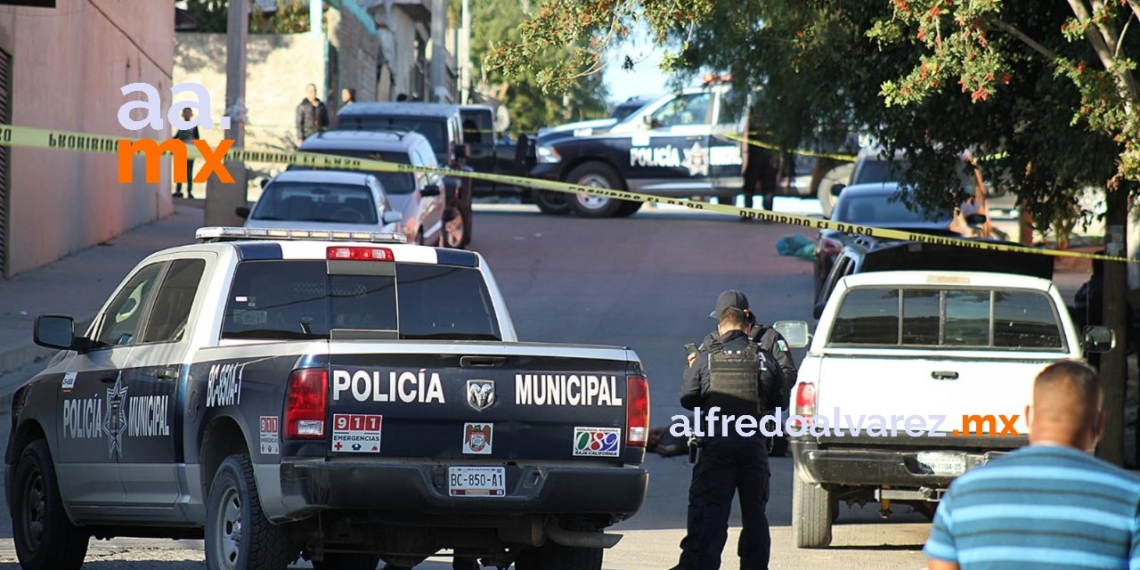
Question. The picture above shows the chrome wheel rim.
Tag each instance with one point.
(35, 510)
(229, 528)
(589, 201)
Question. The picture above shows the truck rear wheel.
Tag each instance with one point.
(43, 535)
(812, 513)
(238, 536)
(597, 175)
(552, 556)
(628, 209)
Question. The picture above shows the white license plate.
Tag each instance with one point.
(477, 481)
(943, 462)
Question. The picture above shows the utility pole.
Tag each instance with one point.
(222, 199)
(438, 69)
(465, 51)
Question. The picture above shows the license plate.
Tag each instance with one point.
(477, 481)
(942, 462)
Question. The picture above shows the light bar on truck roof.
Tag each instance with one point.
(221, 233)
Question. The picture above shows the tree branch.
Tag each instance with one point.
(1135, 4)
(1123, 34)
(1104, 52)
(1001, 25)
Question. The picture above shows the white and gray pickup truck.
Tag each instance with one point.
(914, 377)
(341, 397)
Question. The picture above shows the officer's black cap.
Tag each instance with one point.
(730, 298)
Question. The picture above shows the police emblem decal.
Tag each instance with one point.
(477, 438)
(115, 420)
(480, 394)
(696, 160)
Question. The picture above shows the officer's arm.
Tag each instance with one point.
(783, 356)
(772, 383)
(696, 383)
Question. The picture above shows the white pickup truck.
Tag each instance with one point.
(949, 356)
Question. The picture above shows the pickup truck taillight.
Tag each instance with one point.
(805, 401)
(636, 411)
(306, 403)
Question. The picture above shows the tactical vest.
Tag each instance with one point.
(734, 381)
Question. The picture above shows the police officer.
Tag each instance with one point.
(768, 339)
(741, 379)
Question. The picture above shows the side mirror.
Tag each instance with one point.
(392, 217)
(795, 333)
(264, 182)
(461, 151)
(54, 331)
(817, 312)
(975, 220)
(837, 188)
(430, 190)
(1098, 339)
(242, 212)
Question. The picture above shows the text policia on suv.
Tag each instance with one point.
(713, 424)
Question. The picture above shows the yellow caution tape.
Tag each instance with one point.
(754, 142)
(64, 140)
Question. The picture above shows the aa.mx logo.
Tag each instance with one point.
(179, 119)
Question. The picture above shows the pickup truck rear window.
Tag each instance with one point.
(947, 318)
(293, 299)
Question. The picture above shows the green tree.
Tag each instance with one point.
(291, 17)
(496, 22)
(1047, 88)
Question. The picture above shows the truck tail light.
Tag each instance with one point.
(306, 403)
(636, 411)
(360, 253)
(805, 402)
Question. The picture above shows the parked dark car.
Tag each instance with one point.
(864, 255)
(880, 205)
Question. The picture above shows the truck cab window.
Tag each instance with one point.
(171, 312)
(121, 321)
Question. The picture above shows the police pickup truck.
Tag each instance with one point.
(337, 397)
(913, 378)
(677, 146)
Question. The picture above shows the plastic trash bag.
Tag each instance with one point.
(793, 245)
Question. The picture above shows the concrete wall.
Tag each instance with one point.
(277, 69)
(68, 65)
(358, 52)
(402, 31)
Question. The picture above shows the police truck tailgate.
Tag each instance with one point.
(482, 402)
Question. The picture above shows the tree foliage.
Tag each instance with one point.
(498, 22)
(290, 17)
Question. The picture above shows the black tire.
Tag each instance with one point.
(552, 203)
(551, 556)
(347, 561)
(597, 175)
(256, 544)
(44, 537)
(812, 513)
(628, 209)
(778, 446)
(455, 237)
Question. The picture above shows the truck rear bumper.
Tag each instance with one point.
(857, 466)
(312, 486)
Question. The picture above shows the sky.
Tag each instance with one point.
(646, 78)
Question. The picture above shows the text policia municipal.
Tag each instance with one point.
(712, 424)
(427, 388)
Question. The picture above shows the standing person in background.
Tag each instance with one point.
(347, 96)
(187, 136)
(312, 115)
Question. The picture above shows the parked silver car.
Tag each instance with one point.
(418, 196)
(324, 200)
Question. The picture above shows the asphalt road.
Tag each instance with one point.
(649, 283)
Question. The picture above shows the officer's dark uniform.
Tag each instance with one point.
(740, 378)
